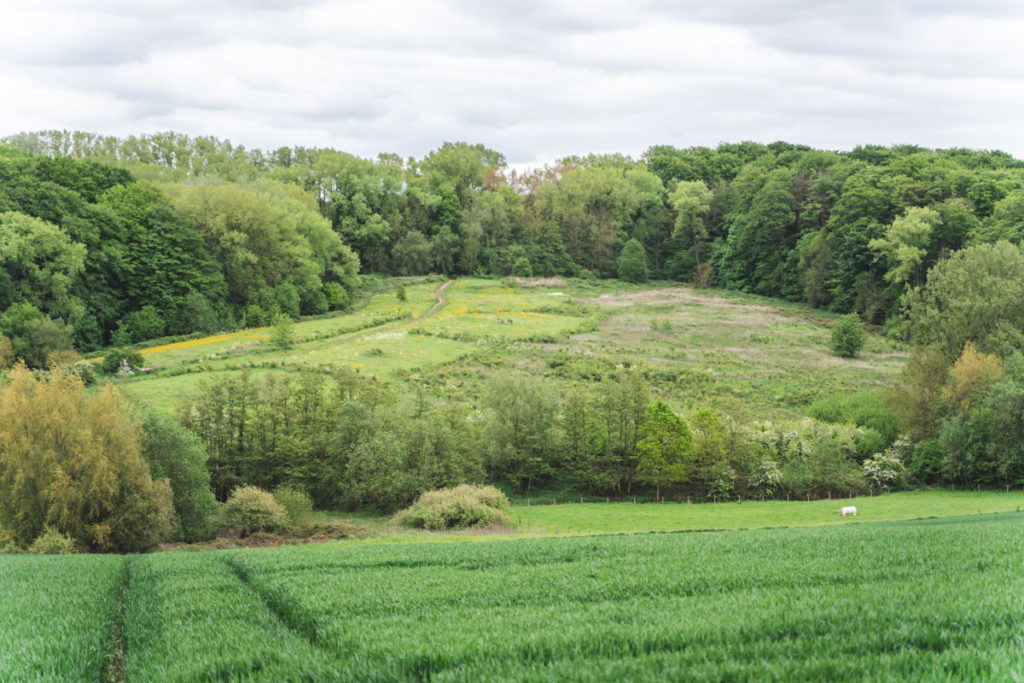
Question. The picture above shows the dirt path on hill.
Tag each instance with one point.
(440, 300)
(439, 293)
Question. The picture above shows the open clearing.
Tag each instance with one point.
(746, 356)
(911, 600)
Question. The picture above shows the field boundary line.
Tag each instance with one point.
(303, 625)
(115, 667)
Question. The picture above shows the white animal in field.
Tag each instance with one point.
(848, 510)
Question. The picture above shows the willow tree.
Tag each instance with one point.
(74, 462)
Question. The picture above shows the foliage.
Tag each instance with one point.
(974, 296)
(847, 336)
(905, 245)
(74, 461)
(33, 335)
(122, 361)
(519, 428)
(721, 481)
(632, 262)
(175, 454)
(868, 409)
(709, 457)
(52, 542)
(377, 472)
(296, 503)
(665, 448)
(884, 471)
(282, 332)
(460, 507)
(250, 509)
(764, 478)
(6, 353)
(813, 458)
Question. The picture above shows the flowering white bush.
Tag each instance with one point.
(883, 470)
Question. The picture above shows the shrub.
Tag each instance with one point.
(869, 409)
(884, 471)
(121, 360)
(632, 262)
(765, 477)
(296, 503)
(250, 509)
(52, 542)
(466, 505)
(848, 336)
(282, 331)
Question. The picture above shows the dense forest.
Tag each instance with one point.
(105, 242)
(129, 239)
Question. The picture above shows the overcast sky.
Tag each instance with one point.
(534, 79)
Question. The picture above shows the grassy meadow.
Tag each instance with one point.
(896, 600)
(617, 517)
(743, 355)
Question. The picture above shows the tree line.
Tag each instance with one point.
(92, 256)
(167, 234)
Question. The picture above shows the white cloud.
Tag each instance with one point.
(535, 80)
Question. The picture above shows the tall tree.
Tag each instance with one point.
(74, 461)
(691, 201)
(664, 449)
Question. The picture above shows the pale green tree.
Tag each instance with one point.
(42, 262)
(665, 448)
(691, 201)
(975, 295)
(905, 245)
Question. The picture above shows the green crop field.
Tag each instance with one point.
(57, 616)
(896, 600)
(743, 355)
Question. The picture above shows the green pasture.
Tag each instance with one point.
(574, 517)
(861, 601)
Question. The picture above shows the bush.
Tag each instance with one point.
(52, 542)
(848, 336)
(121, 360)
(870, 409)
(632, 262)
(282, 332)
(884, 471)
(296, 503)
(466, 505)
(250, 509)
